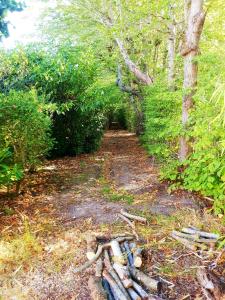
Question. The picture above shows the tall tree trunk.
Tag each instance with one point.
(171, 49)
(195, 17)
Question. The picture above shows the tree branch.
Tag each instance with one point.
(143, 77)
(124, 88)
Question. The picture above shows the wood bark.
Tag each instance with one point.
(133, 294)
(97, 291)
(143, 77)
(132, 225)
(140, 291)
(122, 86)
(137, 255)
(192, 245)
(98, 254)
(200, 233)
(133, 217)
(99, 268)
(195, 17)
(91, 246)
(117, 253)
(148, 282)
(129, 254)
(123, 274)
(213, 287)
(194, 237)
(114, 286)
(113, 273)
(108, 289)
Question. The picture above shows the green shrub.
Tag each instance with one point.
(9, 172)
(68, 79)
(162, 112)
(24, 128)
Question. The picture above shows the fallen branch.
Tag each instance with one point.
(107, 287)
(195, 237)
(113, 273)
(133, 294)
(189, 244)
(192, 230)
(133, 217)
(140, 291)
(114, 286)
(130, 224)
(108, 237)
(148, 282)
(123, 274)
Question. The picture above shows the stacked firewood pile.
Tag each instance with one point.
(118, 258)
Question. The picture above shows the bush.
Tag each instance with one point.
(205, 171)
(162, 112)
(68, 79)
(9, 171)
(24, 128)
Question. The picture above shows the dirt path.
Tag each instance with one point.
(130, 170)
(71, 196)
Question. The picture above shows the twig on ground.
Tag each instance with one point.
(133, 217)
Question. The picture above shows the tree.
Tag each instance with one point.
(195, 18)
(7, 6)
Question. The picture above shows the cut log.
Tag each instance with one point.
(149, 283)
(123, 274)
(107, 289)
(109, 237)
(117, 253)
(189, 244)
(99, 267)
(113, 273)
(133, 217)
(137, 255)
(192, 230)
(129, 253)
(98, 253)
(113, 285)
(97, 291)
(213, 287)
(140, 291)
(133, 294)
(195, 237)
(91, 245)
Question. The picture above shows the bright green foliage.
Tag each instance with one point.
(9, 171)
(67, 78)
(162, 111)
(24, 128)
(205, 171)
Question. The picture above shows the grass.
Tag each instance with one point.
(18, 250)
(114, 196)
